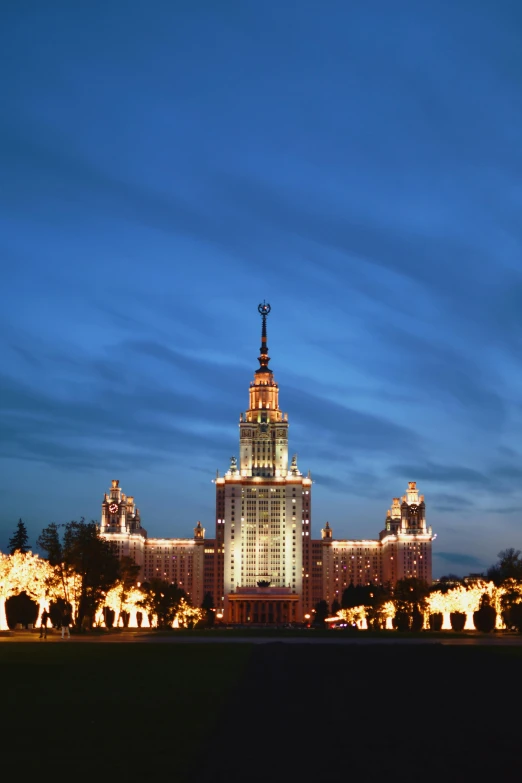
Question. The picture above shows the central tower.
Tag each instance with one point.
(263, 511)
(263, 429)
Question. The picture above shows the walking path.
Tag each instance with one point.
(131, 637)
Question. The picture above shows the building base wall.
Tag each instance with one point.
(251, 608)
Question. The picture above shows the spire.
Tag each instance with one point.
(263, 359)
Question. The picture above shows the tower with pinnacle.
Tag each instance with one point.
(263, 511)
(263, 567)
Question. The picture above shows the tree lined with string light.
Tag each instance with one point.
(85, 565)
(24, 572)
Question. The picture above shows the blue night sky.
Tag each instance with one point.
(168, 165)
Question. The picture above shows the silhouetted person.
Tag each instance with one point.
(66, 621)
(43, 624)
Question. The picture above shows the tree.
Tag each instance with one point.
(349, 597)
(93, 560)
(417, 619)
(411, 591)
(376, 598)
(372, 597)
(335, 606)
(359, 595)
(485, 616)
(188, 616)
(49, 541)
(163, 600)
(321, 613)
(81, 553)
(409, 596)
(21, 609)
(515, 617)
(458, 621)
(510, 599)
(446, 583)
(509, 566)
(22, 572)
(19, 541)
(402, 620)
(122, 604)
(208, 607)
(128, 573)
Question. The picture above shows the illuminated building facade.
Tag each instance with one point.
(180, 560)
(402, 551)
(263, 565)
(263, 506)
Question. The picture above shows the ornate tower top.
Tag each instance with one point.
(264, 392)
(263, 427)
(294, 469)
(326, 532)
(264, 310)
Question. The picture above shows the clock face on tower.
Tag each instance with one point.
(113, 508)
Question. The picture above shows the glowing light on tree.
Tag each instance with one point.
(356, 615)
(437, 604)
(6, 589)
(388, 612)
(131, 605)
(465, 599)
(114, 602)
(122, 599)
(503, 597)
(187, 616)
(24, 573)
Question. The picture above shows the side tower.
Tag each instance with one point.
(119, 512)
(263, 512)
(406, 539)
(179, 561)
(121, 525)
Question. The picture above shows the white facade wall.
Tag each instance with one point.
(263, 536)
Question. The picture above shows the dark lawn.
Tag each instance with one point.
(113, 709)
(373, 713)
(266, 713)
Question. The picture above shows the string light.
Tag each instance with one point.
(463, 598)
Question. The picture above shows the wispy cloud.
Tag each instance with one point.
(459, 558)
(447, 475)
(139, 236)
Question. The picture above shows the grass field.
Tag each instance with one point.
(139, 710)
(270, 712)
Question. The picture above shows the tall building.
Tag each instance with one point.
(263, 565)
(263, 509)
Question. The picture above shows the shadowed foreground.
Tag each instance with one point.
(269, 712)
(339, 713)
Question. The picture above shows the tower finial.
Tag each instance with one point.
(263, 309)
